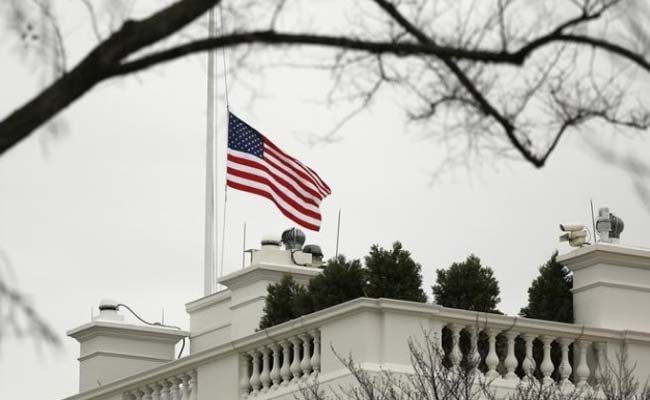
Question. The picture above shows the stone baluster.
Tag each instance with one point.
(185, 388)
(510, 361)
(136, 394)
(315, 358)
(244, 379)
(164, 390)
(492, 359)
(128, 396)
(473, 357)
(305, 364)
(582, 370)
(255, 381)
(265, 376)
(275, 371)
(147, 393)
(174, 389)
(155, 391)
(528, 364)
(601, 362)
(546, 367)
(565, 369)
(285, 372)
(455, 356)
(194, 385)
(295, 363)
(435, 338)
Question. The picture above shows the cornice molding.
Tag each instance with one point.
(207, 301)
(122, 355)
(266, 271)
(120, 330)
(209, 329)
(600, 253)
(616, 285)
(246, 302)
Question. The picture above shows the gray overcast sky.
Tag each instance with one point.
(114, 207)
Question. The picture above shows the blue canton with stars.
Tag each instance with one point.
(242, 137)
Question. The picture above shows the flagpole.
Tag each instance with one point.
(210, 240)
(223, 231)
(225, 187)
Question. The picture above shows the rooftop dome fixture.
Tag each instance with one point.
(608, 225)
(293, 239)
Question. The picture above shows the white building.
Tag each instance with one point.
(230, 359)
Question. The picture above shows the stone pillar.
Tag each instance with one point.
(611, 286)
(111, 349)
(248, 286)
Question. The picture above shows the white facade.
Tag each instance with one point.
(230, 359)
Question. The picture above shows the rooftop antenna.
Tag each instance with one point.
(243, 254)
(593, 221)
(338, 233)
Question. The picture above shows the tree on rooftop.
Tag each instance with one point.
(283, 302)
(467, 285)
(388, 273)
(549, 296)
(393, 274)
(341, 280)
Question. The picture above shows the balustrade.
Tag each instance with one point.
(274, 365)
(516, 360)
(177, 387)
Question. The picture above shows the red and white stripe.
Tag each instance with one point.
(296, 189)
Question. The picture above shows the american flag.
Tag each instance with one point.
(257, 166)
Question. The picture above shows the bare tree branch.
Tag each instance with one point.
(464, 63)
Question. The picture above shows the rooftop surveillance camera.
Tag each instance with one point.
(575, 234)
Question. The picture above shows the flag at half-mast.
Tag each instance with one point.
(256, 165)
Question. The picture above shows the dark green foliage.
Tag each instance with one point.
(284, 301)
(467, 285)
(393, 274)
(388, 273)
(340, 281)
(549, 296)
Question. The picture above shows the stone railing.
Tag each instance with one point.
(513, 366)
(280, 363)
(179, 386)
(273, 363)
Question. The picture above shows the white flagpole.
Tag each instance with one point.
(210, 248)
(225, 187)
